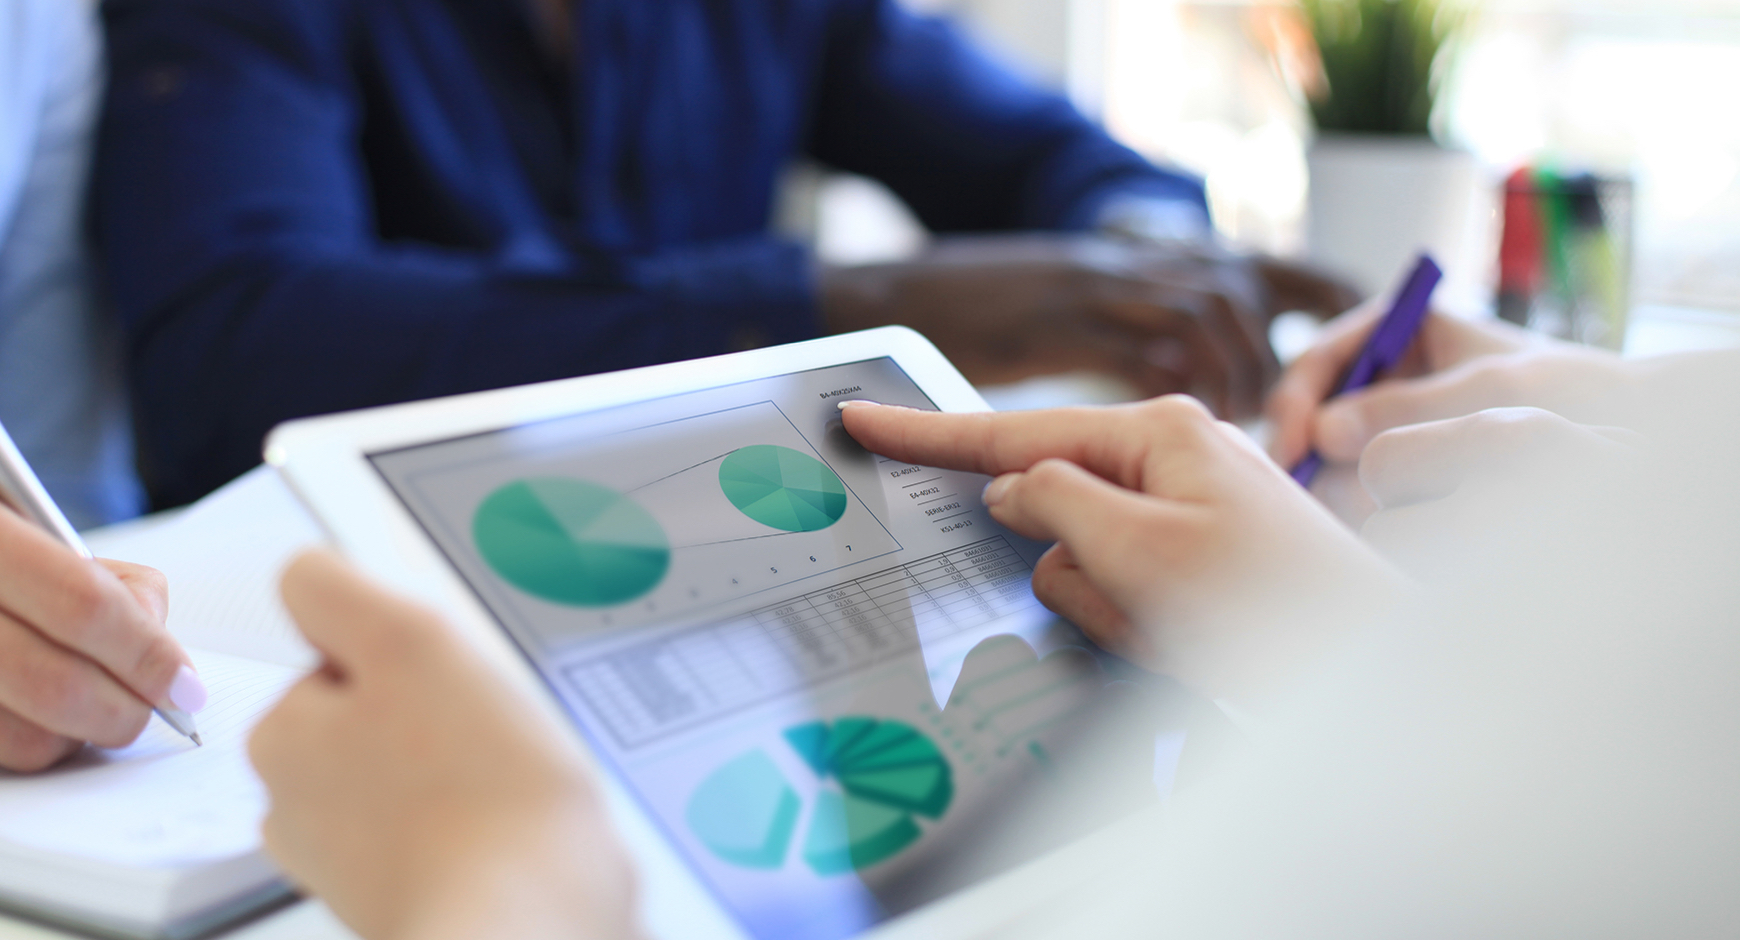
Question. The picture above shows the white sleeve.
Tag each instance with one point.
(60, 389)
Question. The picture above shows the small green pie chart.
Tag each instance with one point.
(571, 542)
(782, 488)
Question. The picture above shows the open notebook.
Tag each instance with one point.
(162, 838)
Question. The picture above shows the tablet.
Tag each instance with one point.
(817, 679)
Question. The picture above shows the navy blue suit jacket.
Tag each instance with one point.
(306, 206)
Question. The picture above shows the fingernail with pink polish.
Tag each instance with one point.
(187, 692)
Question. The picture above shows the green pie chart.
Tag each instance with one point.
(782, 488)
(571, 542)
(884, 775)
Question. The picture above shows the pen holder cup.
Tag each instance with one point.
(1565, 255)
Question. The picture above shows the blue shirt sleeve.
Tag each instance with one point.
(234, 217)
(970, 145)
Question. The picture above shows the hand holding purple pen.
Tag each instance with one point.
(1389, 340)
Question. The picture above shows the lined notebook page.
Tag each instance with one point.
(161, 802)
(223, 557)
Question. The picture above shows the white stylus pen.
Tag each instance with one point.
(21, 490)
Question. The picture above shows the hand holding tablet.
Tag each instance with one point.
(815, 679)
(480, 819)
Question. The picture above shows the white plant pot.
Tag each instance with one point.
(1376, 200)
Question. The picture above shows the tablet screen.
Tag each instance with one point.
(822, 672)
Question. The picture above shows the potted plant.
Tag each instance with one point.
(1381, 187)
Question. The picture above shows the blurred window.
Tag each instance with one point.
(1640, 87)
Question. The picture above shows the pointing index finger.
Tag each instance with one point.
(993, 443)
(932, 438)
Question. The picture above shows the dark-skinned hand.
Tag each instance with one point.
(1167, 317)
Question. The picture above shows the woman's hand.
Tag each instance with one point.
(1454, 368)
(1179, 544)
(418, 793)
(1466, 481)
(84, 653)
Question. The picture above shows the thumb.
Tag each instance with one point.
(353, 622)
(1293, 405)
(1347, 424)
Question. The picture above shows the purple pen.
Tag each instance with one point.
(1385, 346)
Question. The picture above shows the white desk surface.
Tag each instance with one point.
(1656, 329)
(1653, 330)
(306, 920)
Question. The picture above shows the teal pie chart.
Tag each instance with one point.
(571, 542)
(745, 812)
(880, 778)
(782, 488)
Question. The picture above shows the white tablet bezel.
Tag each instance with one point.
(325, 461)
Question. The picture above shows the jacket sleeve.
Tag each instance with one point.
(965, 141)
(233, 215)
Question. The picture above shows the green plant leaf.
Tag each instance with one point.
(1381, 62)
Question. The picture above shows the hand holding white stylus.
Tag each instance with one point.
(85, 639)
